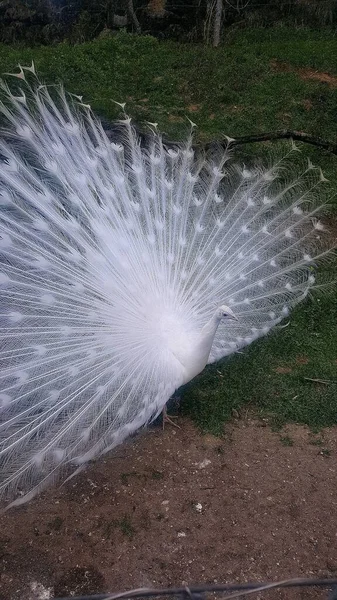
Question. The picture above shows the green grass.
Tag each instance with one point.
(233, 90)
(286, 440)
(126, 527)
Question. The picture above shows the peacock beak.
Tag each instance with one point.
(231, 315)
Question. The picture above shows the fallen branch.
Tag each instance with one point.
(286, 134)
(324, 381)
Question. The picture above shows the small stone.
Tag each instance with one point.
(204, 463)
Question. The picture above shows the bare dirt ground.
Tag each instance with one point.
(305, 73)
(178, 508)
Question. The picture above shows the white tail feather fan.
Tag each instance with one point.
(114, 260)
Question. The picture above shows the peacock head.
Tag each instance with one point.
(224, 312)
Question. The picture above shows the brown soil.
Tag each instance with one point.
(178, 507)
(194, 107)
(175, 119)
(306, 73)
(307, 104)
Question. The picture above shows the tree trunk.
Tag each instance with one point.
(217, 23)
(133, 16)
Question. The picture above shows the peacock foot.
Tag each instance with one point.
(169, 419)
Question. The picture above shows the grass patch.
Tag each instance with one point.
(125, 477)
(234, 90)
(157, 475)
(317, 442)
(325, 452)
(126, 527)
(286, 440)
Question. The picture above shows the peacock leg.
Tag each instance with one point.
(169, 419)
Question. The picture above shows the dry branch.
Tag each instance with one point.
(286, 134)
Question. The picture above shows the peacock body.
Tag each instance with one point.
(125, 268)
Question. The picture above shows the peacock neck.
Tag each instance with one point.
(196, 358)
(207, 335)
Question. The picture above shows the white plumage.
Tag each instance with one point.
(114, 260)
